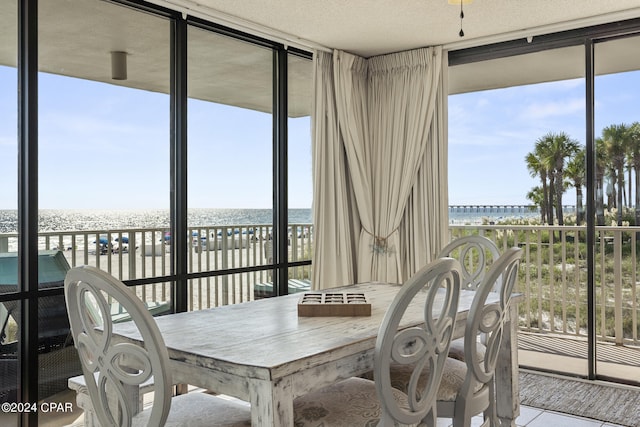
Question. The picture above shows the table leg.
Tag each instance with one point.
(271, 403)
(507, 386)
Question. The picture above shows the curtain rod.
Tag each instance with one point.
(187, 7)
(545, 29)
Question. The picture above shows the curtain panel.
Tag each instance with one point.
(425, 227)
(333, 219)
(388, 146)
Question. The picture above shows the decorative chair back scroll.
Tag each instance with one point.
(478, 390)
(475, 254)
(108, 379)
(420, 348)
(489, 319)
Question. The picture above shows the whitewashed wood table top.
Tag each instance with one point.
(268, 335)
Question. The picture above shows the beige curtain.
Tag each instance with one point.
(333, 247)
(424, 228)
(402, 94)
(351, 80)
(390, 120)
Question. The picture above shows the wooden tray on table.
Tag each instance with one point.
(316, 304)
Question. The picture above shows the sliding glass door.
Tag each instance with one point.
(524, 118)
(502, 181)
(617, 147)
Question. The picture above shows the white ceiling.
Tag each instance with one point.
(374, 27)
(76, 37)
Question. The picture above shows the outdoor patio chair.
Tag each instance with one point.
(56, 354)
(362, 402)
(476, 254)
(113, 385)
(468, 388)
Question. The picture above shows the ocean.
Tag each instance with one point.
(98, 222)
(105, 219)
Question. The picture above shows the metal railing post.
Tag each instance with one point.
(617, 276)
(225, 264)
(132, 255)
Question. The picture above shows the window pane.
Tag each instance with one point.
(103, 161)
(9, 310)
(617, 133)
(9, 373)
(230, 166)
(502, 185)
(299, 161)
(104, 143)
(8, 129)
(57, 357)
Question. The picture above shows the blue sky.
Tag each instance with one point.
(103, 145)
(491, 132)
(106, 146)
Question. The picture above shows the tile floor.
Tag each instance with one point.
(529, 417)
(534, 417)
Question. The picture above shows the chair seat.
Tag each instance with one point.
(349, 403)
(453, 377)
(456, 350)
(201, 409)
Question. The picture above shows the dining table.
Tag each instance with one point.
(264, 353)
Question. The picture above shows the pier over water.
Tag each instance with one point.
(503, 209)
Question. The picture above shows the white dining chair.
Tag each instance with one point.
(361, 402)
(476, 254)
(114, 370)
(468, 388)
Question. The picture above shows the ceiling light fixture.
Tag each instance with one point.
(119, 65)
(460, 2)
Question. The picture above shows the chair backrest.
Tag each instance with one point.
(489, 320)
(420, 347)
(111, 368)
(475, 254)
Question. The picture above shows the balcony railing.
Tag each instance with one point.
(130, 254)
(553, 276)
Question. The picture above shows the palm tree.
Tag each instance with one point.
(544, 163)
(575, 172)
(616, 140)
(536, 195)
(536, 168)
(563, 147)
(629, 166)
(634, 155)
(601, 167)
(553, 150)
